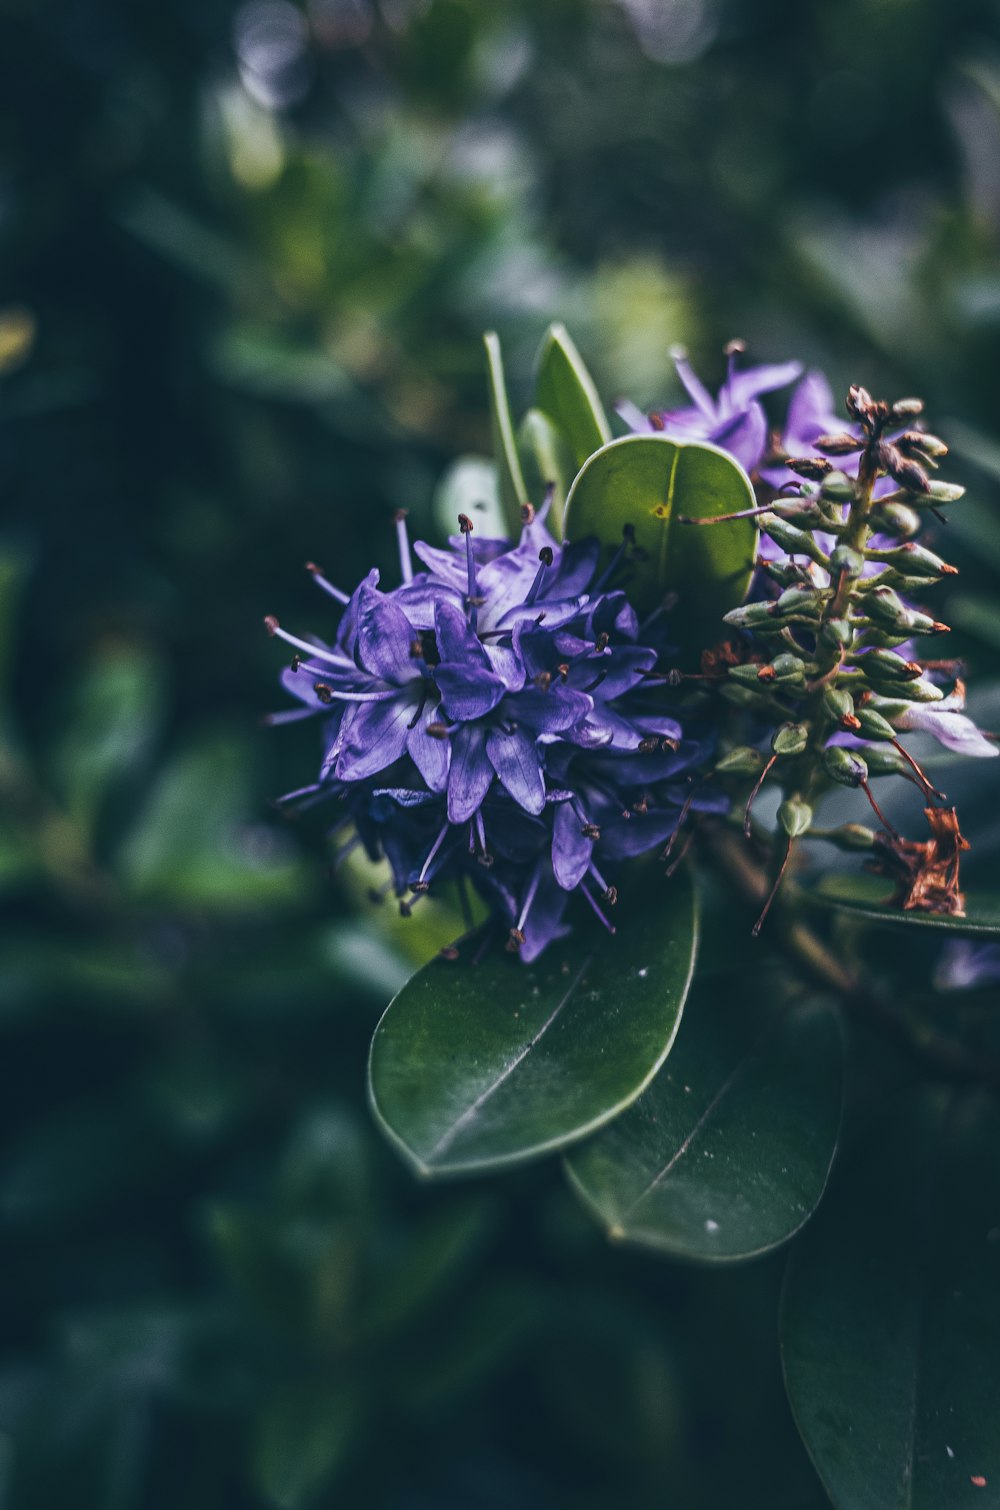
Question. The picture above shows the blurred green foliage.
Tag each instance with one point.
(247, 253)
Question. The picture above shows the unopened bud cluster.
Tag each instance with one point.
(829, 662)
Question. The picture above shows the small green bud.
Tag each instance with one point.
(884, 762)
(788, 670)
(747, 675)
(896, 519)
(920, 691)
(873, 725)
(845, 766)
(796, 542)
(852, 836)
(946, 492)
(838, 487)
(836, 634)
(749, 616)
(838, 702)
(741, 696)
(795, 817)
(887, 666)
(886, 640)
(790, 739)
(844, 559)
(886, 607)
(905, 408)
(743, 761)
(798, 600)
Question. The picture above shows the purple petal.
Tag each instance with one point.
(470, 774)
(571, 849)
(515, 760)
(544, 923)
(373, 736)
(385, 638)
(431, 756)
(742, 387)
(637, 420)
(549, 712)
(469, 686)
(696, 389)
(744, 436)
(954, 730)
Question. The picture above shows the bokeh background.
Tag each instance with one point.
(246, 254)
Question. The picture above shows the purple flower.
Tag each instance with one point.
(964, 965)
(493, 720)
(947, 723)
(734, 419)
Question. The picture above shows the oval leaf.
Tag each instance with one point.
(476, 1066)
(890, 1327)
(868, 896)
(565, 391)
(651, 483)
(727, 1153)
(513, 493)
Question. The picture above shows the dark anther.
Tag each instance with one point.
(611, 896)
(527, 513)
(649, 745)
(669, 744)
(602, 643)
(563, 671)
(271, 624)
(485, 859)
(437, 730)
(543, 681)
(475, 602)
(850, 721)
(734, 348)
(590, 831)
(514, 941)
(400, 515)
(323, 691)
(311, 566)
(545, 555)
(296, 662)
(465, 524)
(449, 952)
(657, 421)
(417, 648)
(766, 674)
(641, 807)
(626, 812)
(418, 886)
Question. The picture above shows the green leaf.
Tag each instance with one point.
(727, 1153)
(302, 1438)
(868, 897)
(513, 493)
(890, 1326)
(565, 391)
(477, 1066)
(470, 486)
(548, 462)
(649, 482)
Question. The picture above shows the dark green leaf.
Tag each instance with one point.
(476, 1066)
(565, 391)
(301, 1439)
(513, 493)
(727, 1153)
(890, 1327)
(650, 483)
(868, 897)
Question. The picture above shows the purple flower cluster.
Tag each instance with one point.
(496, 718)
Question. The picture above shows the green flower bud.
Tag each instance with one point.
(946, 492)
(884, 761)
(838, 487)
(844, 559)
(845, 766)
(749, 616)
(916, 561)
(887, 666)
(790, 739)
(921, 691)
(873, 725)
(743, 761)
(796, 542)
(788, 670)
(886, 640)
(795, 817)
(896, 519)
(836, 634)
(746, 675)
(798, 600)
(838, 702)
(852, 837)
(886, 607)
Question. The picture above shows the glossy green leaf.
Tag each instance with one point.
(513, 493)
(727, 1153)
(565, 391)
(890, 1327)
(548, 464)
(650, 483)
(476, 1066)
(868, 897)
